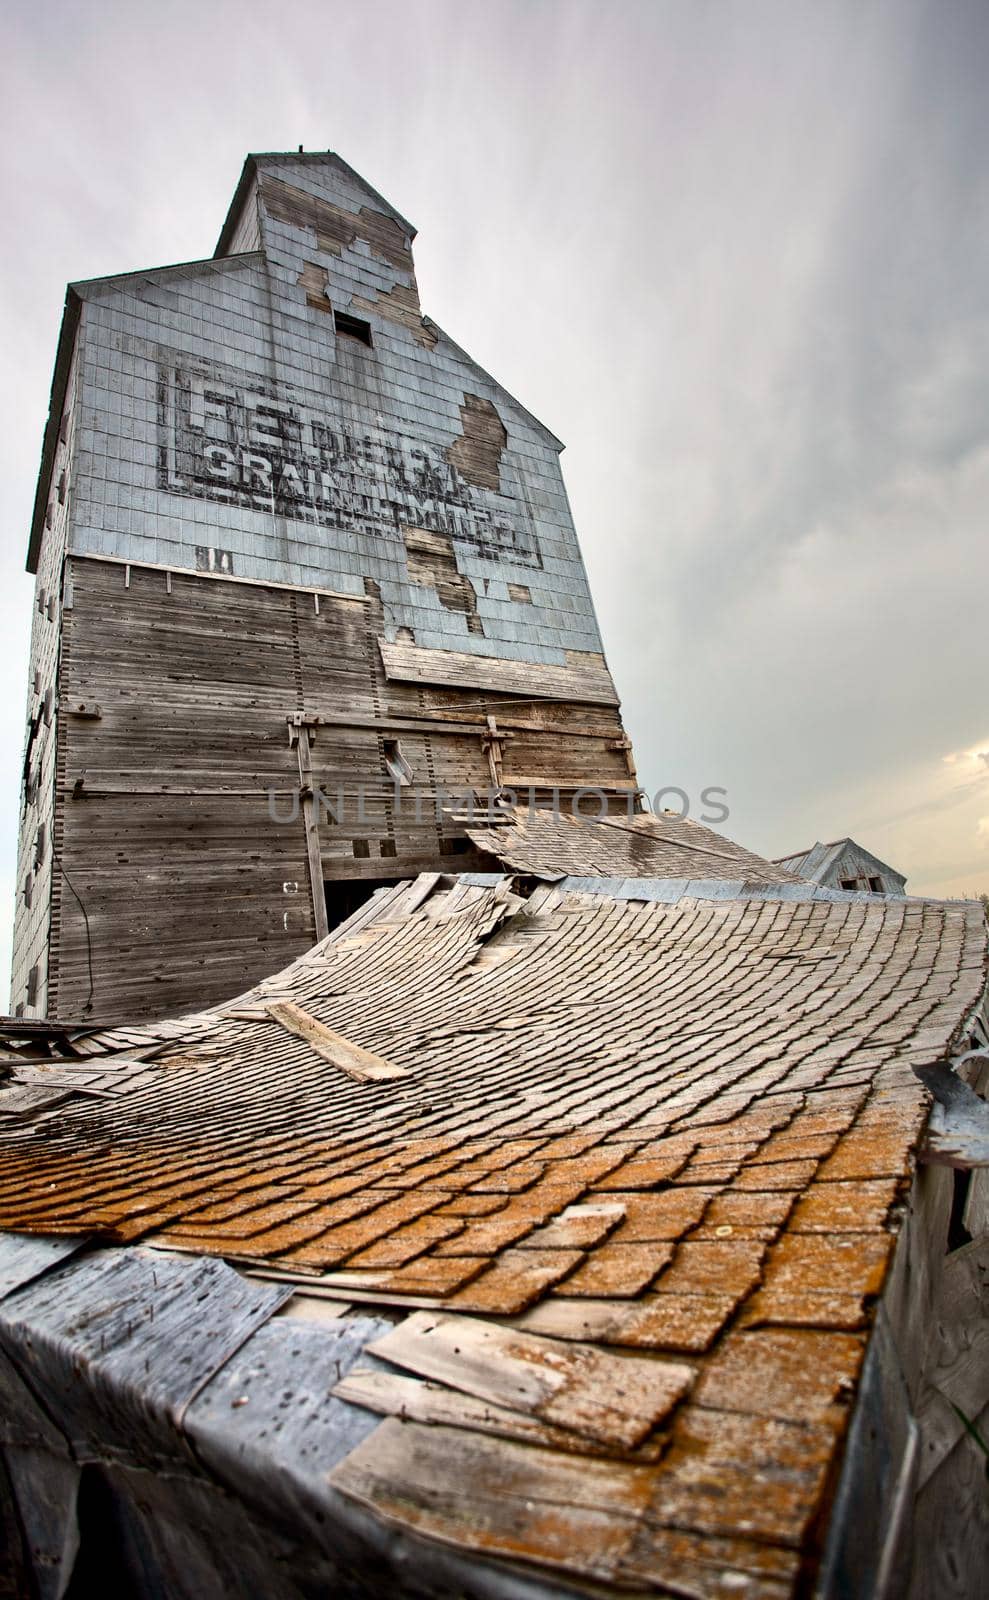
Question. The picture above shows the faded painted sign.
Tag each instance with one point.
(223, 438)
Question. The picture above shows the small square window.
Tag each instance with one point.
(876, 885)
(849, 883)
(352, 328)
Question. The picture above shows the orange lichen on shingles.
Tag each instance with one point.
(668, 1131)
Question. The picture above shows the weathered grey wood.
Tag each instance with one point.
(614, 1399)
(121, 1341)
(45, 1487)
(950, 1518)
(957, 1369)
(25, 1256)
(868, 1549)
(267, 1424)
(588, 684)
(958, 1130)
(196, 688)
(311, 825)
(357, 1063)
(412, 1399)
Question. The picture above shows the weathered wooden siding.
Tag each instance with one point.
(297, 561)
(37, 842)
(178, 814)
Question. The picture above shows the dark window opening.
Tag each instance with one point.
(388, 847)
(399, 768)
(344, 896)
(361, 847)
(454, 847)
(849, 883)
(32, 986)
(876, 885)
(352, 328)
(958, 1234)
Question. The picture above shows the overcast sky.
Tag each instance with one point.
(735, 254)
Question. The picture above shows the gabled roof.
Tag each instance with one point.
(637, 1161)
(309, 158)
(818, 861)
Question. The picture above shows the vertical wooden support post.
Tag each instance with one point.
(492, 743)
(304, 733)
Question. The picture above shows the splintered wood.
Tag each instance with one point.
(356, 1062)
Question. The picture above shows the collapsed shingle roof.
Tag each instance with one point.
(555, 844)
(665, 1141)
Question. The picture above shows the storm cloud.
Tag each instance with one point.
(734, 252)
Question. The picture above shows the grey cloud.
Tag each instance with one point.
(735, 254)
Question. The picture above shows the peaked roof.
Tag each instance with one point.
(817, 862)
(307, 158)
(661, 1145)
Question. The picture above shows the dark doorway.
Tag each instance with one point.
(344, 896)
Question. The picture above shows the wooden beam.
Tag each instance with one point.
(352, 1059)
(303, 746)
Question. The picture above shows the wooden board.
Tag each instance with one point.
(589, 683)
(356, 1062)
(616, 1400)
(176, 816)
(395, 1395)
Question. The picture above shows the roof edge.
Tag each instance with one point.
(181, 269)
(298, 158)
(469, 360)
(56, 405)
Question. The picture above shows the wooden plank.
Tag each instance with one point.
(613, 1399)
(957, 1369)
(958, 1130)
(351, 1058)
(588, 684)
(145, 1330)
(267, 1423)
(304, 752)
(499, 1497)
(392, 1394)
(25, 1256)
